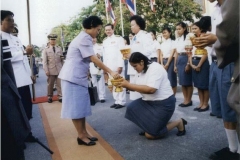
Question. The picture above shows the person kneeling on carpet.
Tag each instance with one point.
(153, 111)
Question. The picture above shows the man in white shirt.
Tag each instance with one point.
(20, 64)
(112, 58)
(97, 73)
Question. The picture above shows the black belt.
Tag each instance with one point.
(196, 58)
(153, 57)
(182, 53)
(214, 59)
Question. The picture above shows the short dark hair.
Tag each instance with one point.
(109, 25)
(169, 30)
(183, 25)
(5, 13)
(153, 32)
(205, 23)
(91, 22)
(139, 20)
(137, 57)
(127, 39)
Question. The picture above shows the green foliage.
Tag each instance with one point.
(36, 51)
(168, 12)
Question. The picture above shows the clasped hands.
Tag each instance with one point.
(205, 40)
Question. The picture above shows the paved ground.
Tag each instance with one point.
(205, 134)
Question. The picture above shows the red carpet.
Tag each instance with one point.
(44, 99)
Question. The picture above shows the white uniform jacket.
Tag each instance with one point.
(112, 56)
(20, 63)
(98, 49)
(142, 42)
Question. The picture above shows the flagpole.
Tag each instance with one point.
(121, 17)
(106, 9)
(30, 43)
(62, 39)
(135, 4)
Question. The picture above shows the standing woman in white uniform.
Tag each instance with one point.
(141, 42)
(167, 51)
(182, 66)
(155, 56)
(97, 73)
(200, 72)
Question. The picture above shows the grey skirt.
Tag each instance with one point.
(75, 101)
(151, 116)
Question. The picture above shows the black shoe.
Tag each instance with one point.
(187, 105)
(102, 101)
(219, 116)
(113, 106)
(196, 109)
(119, 106)
(211, 114)
(93, 138)
(49, 100)
(224, 154)
(142, 133)
(183, 132)
(203, 110)
(81, 142)
(60, 100)
(180, 105)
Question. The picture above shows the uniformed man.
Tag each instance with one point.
(112, 58)
(97, 73)
(52, 64)
(21, 68)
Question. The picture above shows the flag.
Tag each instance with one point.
(131, 6)
(107, 5)
(110, 10)
(152, 3)
(113, 18)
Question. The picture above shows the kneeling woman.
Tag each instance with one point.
(153, 111)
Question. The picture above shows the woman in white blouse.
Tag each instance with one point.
(182, 65)
(153, 111)
(141, 42)
(167, 59)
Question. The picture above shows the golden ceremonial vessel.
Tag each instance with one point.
(125, 52)
(199, 50)
(116, 82)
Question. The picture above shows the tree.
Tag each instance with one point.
(168, 12)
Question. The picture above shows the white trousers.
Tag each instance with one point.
(100, 86)
(119, 97)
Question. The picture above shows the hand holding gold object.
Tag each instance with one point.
(116, 83)
(199, 50)
(125, 52)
